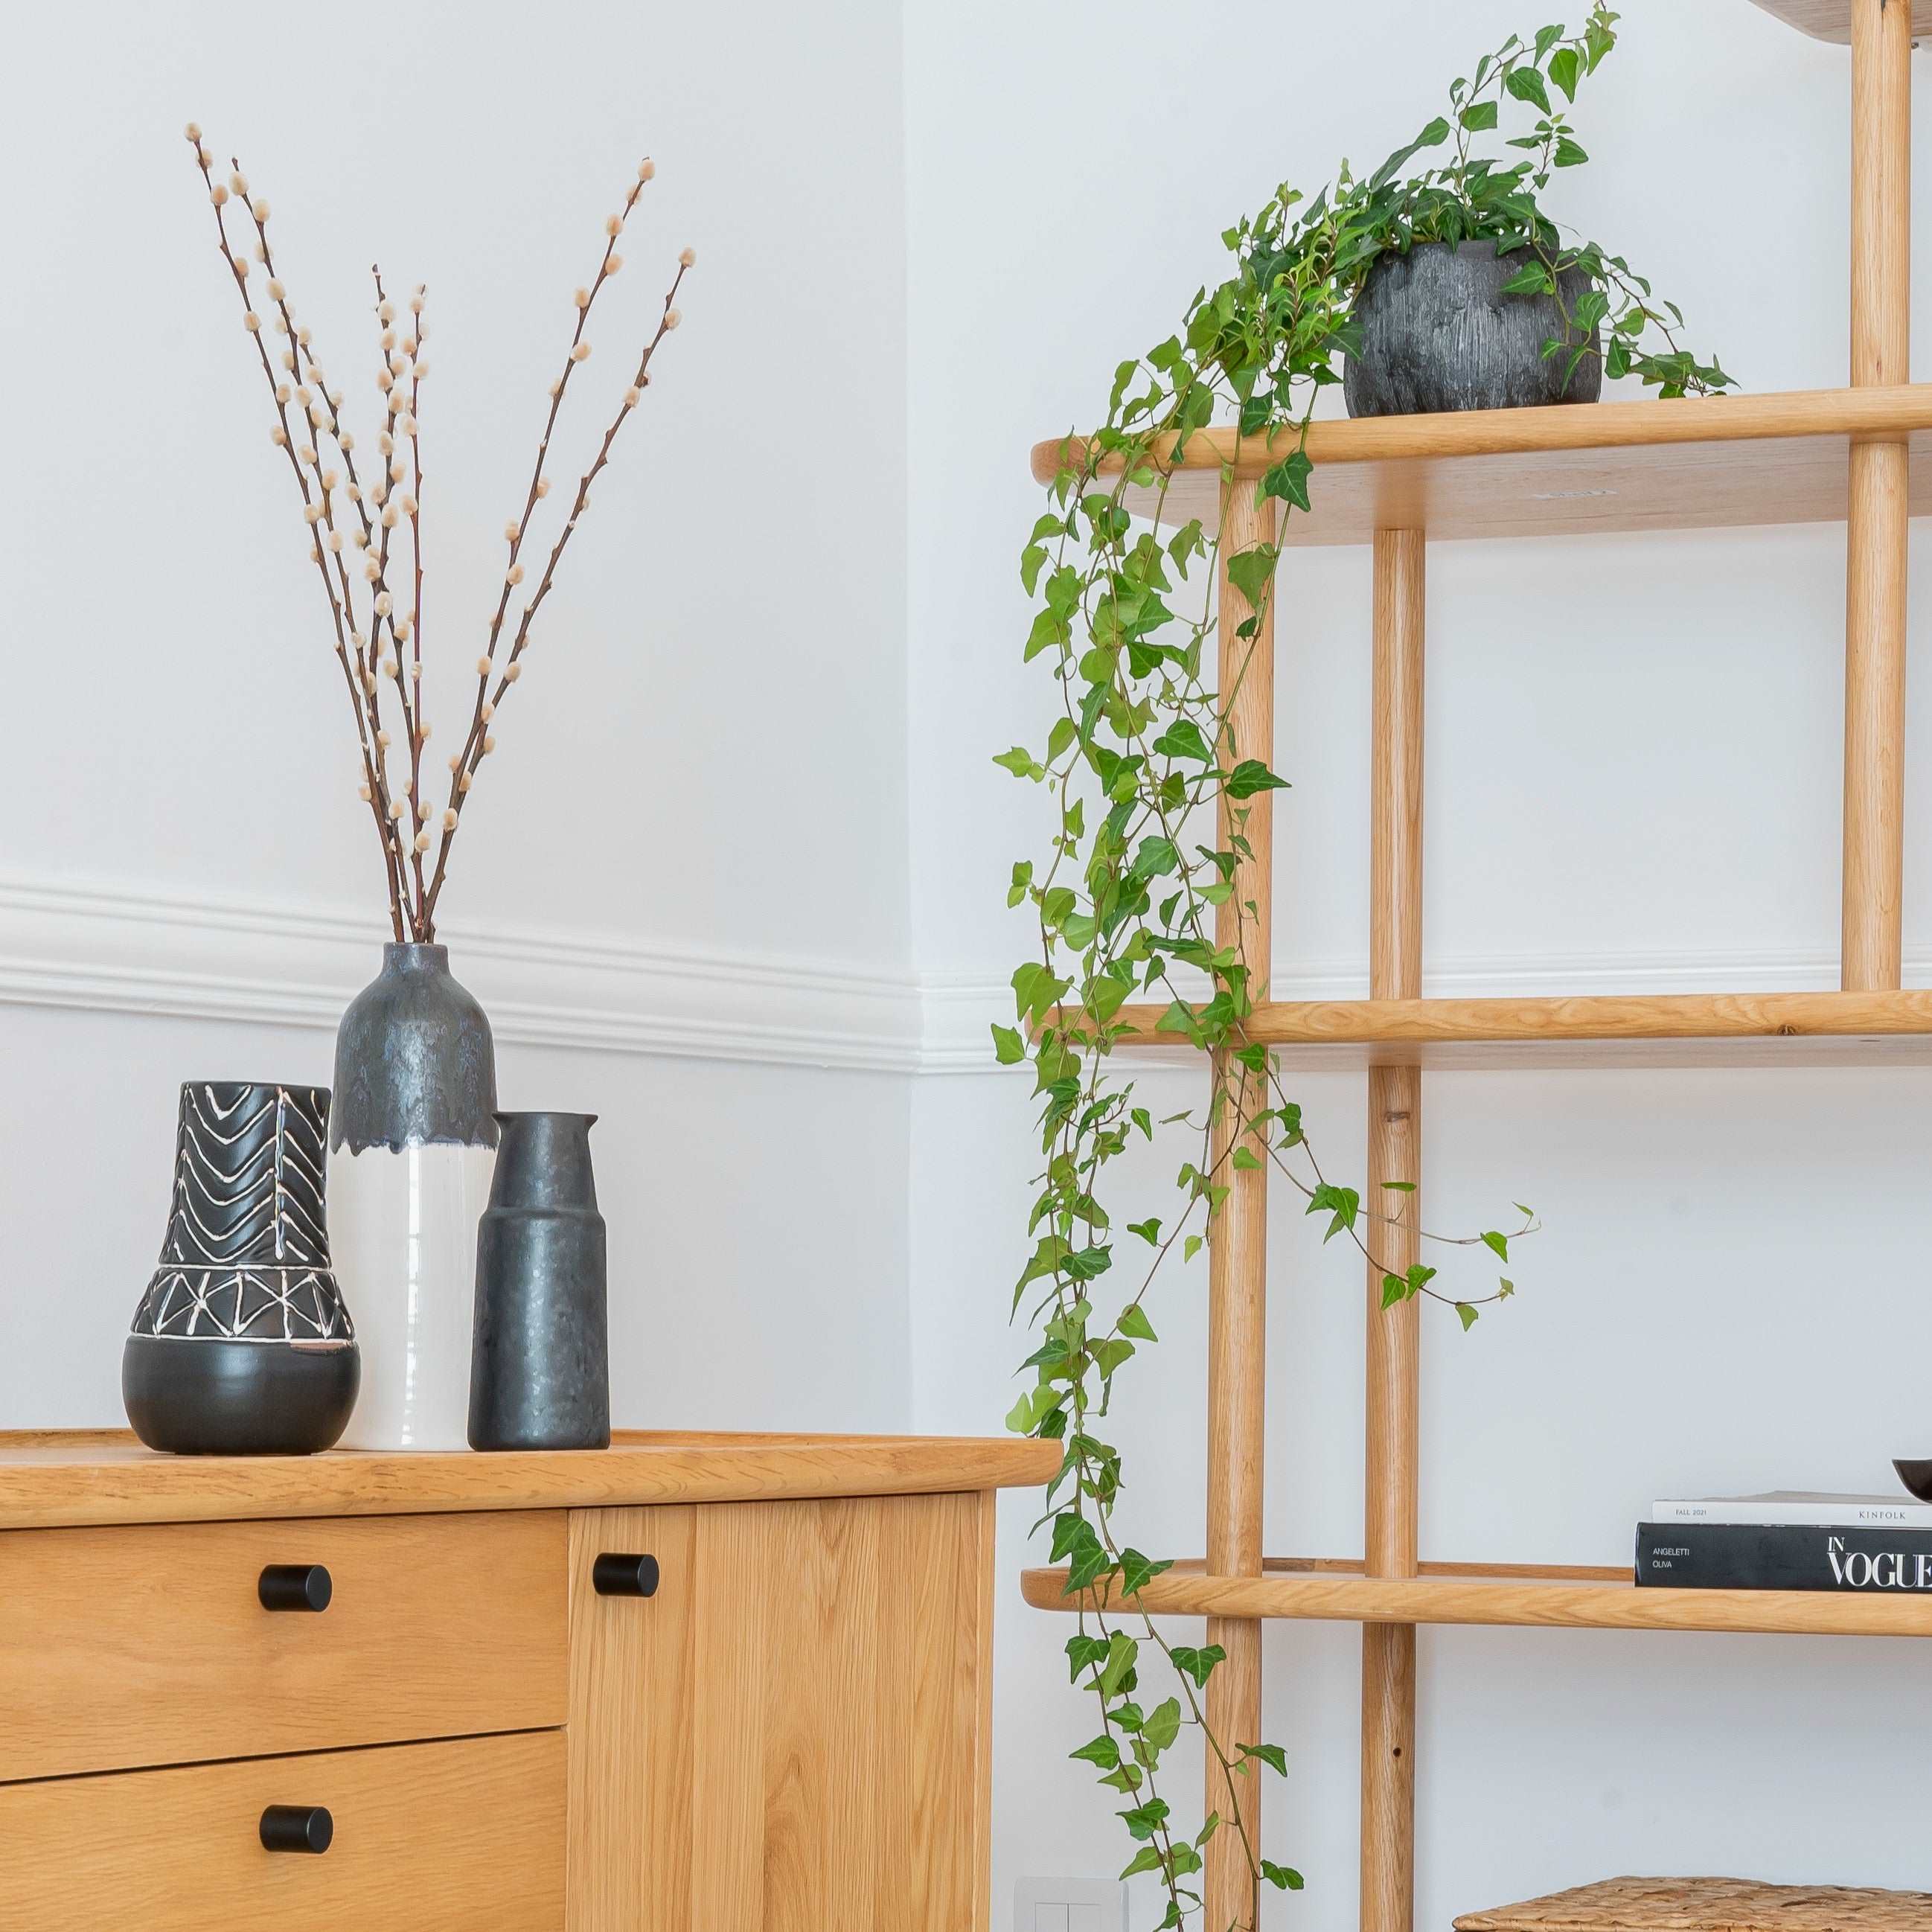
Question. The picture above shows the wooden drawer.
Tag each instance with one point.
(464, 1837)
(148, 1645)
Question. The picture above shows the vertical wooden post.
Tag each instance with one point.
(1238, 1250)
(1395, 1128)
(1877, 509)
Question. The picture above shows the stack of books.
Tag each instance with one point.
(1786, 1540)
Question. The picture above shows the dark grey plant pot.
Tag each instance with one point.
(540, 1367)
(242, 1345)
(415, 1062)
(1438, 334)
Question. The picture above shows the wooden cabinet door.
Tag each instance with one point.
(792, 1734)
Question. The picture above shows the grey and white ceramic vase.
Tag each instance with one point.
(1438, 333)
(412, 1144)
(242, 1345)
(540, 1371)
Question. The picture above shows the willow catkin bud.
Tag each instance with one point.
(486, 711)
(276, 290)
(613, 264)
(687, 258)
(259, 208)
(386, 312)
(482, 667)
(646, 169)
(422, 842)
(543, 488)
(192, 131)
(395, 807)
(672, 318)
(613, 226)
(239, 182)
(514, 574)
(512, 530)
(582, 298)
(251, 322)
(449, 818)
(579, 352)
(363, 792)
(383, 738)
(489, 744)
(278, 435)
(464, 783)
(632, 397)
(217, 194)
(512, 672)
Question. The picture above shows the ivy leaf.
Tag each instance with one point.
(1249, 777)
(1083, 1652)
(1343, 1203)
(1479, 118)
(1526, 84)
(1394, 1290)
(1198, 1664)
(1136, 1570)
(1497, 1244)
(1163, 1724)
(1565, 67)
(1400, 1187)
(1148, 1859)
(1020, 762)
(1008, 1047)
(1568, 155)
(1284, 1876)
(1183, 740)
(1273, 1756)
(1122, 1653)
(1101, 1750)
(1467, 1315)
(1246, 1159)
(1133, 1319)
(1288, 480)
(1505, 1287)
(1251, 570)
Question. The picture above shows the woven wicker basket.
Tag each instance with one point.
(1709, 1905)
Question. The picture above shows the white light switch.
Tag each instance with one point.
(1069, 1905)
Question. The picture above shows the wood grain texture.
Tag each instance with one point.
(1879, 487)
(1687, 463)
(1555, 1596)
(1237, 1235)
(792, 1734)
(148, 1646)
(1394, 1155)
(1608, 1030)
(464, 1837)
(1831, 20)
(49, 1478)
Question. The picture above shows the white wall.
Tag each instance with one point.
(689, 843)
(1633, 768)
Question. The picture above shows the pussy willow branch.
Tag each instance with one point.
(342, 618)
(479, 741)
(392, 646)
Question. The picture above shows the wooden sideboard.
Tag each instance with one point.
(778, 1722)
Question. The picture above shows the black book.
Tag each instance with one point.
(1783, 1556)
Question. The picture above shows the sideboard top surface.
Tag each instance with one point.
(65, 1478)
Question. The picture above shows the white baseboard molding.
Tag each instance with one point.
(105, 948)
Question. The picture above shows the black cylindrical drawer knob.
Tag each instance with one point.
(612, 1575)
(295, 1586)
(297, 1828)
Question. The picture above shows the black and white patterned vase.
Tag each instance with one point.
(242, 1345)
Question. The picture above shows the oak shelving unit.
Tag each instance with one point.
(1861, 456)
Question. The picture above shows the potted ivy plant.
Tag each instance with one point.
(1141, 760)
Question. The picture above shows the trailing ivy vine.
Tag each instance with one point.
(1130, 902)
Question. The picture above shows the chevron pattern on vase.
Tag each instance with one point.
(246, 1255)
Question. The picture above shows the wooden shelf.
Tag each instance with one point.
(1695, 463)
(62, 1478)
(1549, 1597)
(1655, 1029)
(1831, 20)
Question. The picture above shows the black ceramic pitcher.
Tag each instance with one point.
(540, 1363)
